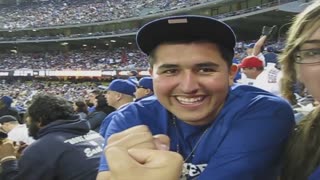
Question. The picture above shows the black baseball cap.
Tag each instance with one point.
(7, 118)
(184, 28)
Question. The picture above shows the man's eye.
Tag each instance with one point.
(169, 71)
(204, 70)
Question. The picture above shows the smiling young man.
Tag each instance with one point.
(222, 131)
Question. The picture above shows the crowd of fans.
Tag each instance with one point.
(63, 36)
(94, 59)
(22, 92)
(80, 11)
(120, 59)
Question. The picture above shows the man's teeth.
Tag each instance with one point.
(184, 100)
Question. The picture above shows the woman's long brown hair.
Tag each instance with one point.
(302, 155)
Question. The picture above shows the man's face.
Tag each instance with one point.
(251, 73)
(191, 80)
(92, 98)
(249, 51)
(4, 127)
(141, 92)
(111, 97)
(33, 127)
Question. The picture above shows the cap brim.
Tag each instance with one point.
(184, 28)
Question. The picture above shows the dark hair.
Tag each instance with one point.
(96, 92)
(46, 108)
(81, 106)
(89, 104)
(226, 53)
(102, 105)
(260, 68)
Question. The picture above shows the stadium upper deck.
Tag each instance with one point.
(53, 13)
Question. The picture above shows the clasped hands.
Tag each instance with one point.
(137, 155)
(11, 149)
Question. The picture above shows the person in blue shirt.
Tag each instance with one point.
(133, 77)
(220, 130)
(270, 56)
(300, 62)
(144, 88)
(120, 93)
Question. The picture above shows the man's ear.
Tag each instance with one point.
(148, 91)
(233, 71)
(40, 122)
(118, 96)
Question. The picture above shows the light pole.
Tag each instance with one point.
(280, 29)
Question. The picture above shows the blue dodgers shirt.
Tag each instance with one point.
(315, 175)
(244, 142)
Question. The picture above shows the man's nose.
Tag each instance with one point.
(189, 82)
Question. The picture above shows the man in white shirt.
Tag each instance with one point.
(16, 132)
(259, 76)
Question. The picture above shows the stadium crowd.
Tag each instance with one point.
(79, 11)
(66, 12)
(62, 36)
(119, 58)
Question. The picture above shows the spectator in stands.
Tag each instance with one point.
(16, 132)
(237, 60)
(76, 60)
(257, 75)
(252, 67)
(65, 148)
(102, 109)
(6, 109)
(270, 56)
(120, 94)
(144, 88)
(53, 13)
(250, 52)
(216, 126)
(92, 99)
(81, 108)
(301, 62)
(133, 77)
(256, 49)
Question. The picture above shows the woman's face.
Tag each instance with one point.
(309, 74)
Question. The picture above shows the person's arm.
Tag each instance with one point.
(266, 34)
(9, 169)
(8, 161)
(23, 168)
(105, 123)
(95, 119)
(258, 45)
(254, 144)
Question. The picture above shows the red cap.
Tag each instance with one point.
(250, 62)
